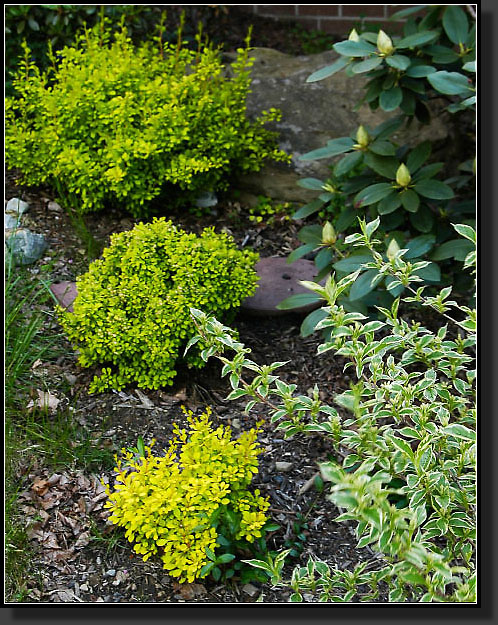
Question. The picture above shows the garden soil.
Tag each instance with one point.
(79, 557)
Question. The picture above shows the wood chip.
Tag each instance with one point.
(146, 402)
(283, 466)
(249, 589)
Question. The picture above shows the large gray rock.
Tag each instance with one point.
(278, 280)
(312, 113)
(207, 199)
(25, 246)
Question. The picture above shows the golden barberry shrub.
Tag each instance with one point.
(141, 128)
(173, 505)
(131, 315)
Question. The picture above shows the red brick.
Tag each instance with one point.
(394, 8)
(280, 10)
(344, 26)
(337, 26)
(310, 23)
(318, 10)
(248, 8)
(363, 10)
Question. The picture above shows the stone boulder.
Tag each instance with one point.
(312, 113)
(25, 246)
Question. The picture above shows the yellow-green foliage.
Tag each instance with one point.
(269, 211)
(131, 314)
(173, 504)
(110, 123)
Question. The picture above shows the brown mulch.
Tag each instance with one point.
(82, 558)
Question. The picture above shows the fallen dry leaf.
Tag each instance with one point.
(40, 486)
(28, 510)
(53, 479)
(70, 522)
(45, 400)
(83, 483)
(62, 555)
(100, 497)
(49, 541)
(97, 484)
(309, 484)
(64, 595)
(35, 533)
(43, 516)
(35, 594)
(26, 495)
(50, 500)
(83, 539)
(190, 591)
(181, 395)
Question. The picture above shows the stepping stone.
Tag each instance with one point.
(277, 281)
(65, 293)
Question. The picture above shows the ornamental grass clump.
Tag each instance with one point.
(131, 314)
(185, 504)
(110, 124)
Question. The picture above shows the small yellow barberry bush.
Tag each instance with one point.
(269, 212)
(131, 314)
(186, 503)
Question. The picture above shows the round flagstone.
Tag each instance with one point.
(279, 280)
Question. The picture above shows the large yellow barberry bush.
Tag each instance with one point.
(140, 128)
(131, 314)
(177, 505)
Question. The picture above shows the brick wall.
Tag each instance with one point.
(329, 18)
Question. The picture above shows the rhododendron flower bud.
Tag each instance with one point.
(384, 43)
(392, 249)
(403, 177)
(353, 35)
(329, 236)
(362, 137)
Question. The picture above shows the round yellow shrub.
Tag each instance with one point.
(131, 315)
(177, 504)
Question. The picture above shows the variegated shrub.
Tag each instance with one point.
(404, 435)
